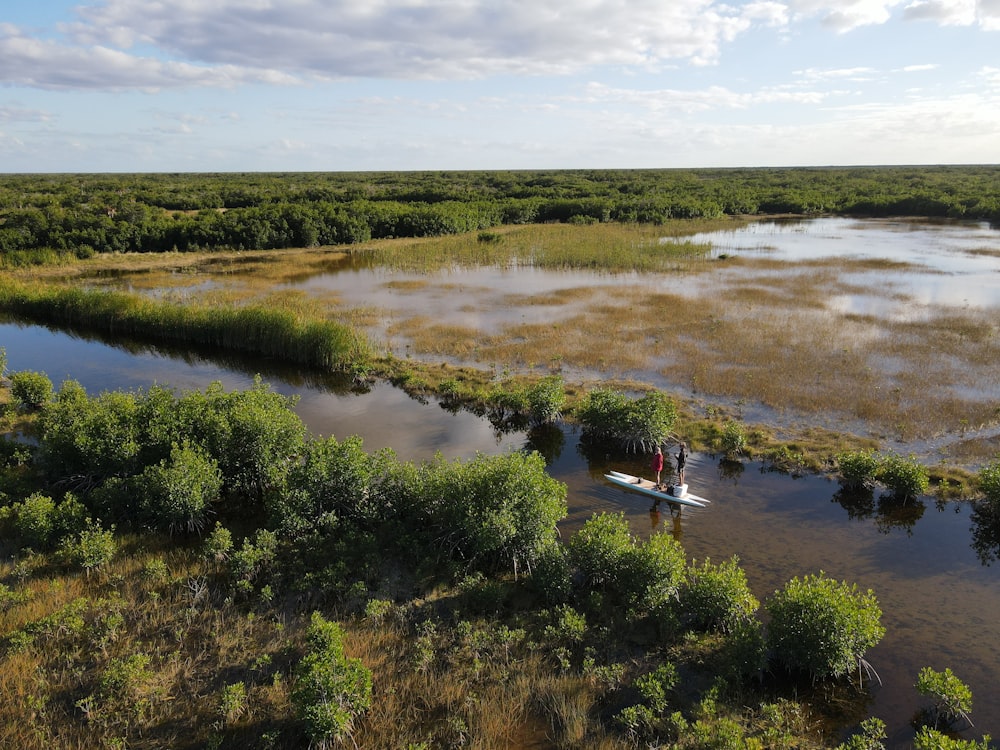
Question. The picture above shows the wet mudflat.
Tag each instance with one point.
(941, 604)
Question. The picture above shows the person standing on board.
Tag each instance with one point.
(657, 465)
(681, 463)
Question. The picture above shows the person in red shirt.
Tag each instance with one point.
(658, 465)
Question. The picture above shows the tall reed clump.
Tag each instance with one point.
(254, 329)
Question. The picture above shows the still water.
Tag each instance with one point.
(941, 604)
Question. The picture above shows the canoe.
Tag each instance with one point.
(682, 496)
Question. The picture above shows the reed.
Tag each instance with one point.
(251, 329)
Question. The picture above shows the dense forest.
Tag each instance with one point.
(42, 215)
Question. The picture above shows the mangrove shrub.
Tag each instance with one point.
(989, 483)
(823, 627)
(630, 423)
(952, 697)
(330, 689)
(717, 597)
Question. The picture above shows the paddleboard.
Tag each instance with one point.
(683, 497)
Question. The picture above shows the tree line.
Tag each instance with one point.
(81, 215)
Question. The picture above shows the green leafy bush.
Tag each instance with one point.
(733, 441)
(90, 549)
(330, 689)
(823, 627)
(931, 739)
(180, 491)
(717, 597)
(869, 738)
(652, 572)
(952, 697)
(599, 549)
(858, 468)
(989, 482)
(631, 423)
(30, 389)
(491, 512)
(903, 477)
(551, 573)
(546, 399)
(39, 522)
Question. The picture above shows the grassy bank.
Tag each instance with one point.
(253, 329)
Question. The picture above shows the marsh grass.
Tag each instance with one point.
(603, 247)
(264, 330)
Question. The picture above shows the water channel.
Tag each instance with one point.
(940, 598)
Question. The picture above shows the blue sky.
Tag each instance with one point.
(291, 85)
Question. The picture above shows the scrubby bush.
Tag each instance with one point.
(546, 399)
(823, 627)
(733, 441)
(857, 468)
(551, 574)
(631, 423)
(989, 482)
(931, 739)
(178, 493)
(330, 689)
(717, 597)
(90, 549)
(40, 523)
(492, 512)
(30, 389)
(903, 477)
(869, 738)
(952, 697)
(599, 549)
(652, 572)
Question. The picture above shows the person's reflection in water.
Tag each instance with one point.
(654, 515)
(675, 515)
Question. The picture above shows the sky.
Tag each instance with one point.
(362, 85)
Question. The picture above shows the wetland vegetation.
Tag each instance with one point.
(165, 554)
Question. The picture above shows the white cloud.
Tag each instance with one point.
(406, 39)
(944, 12)
(847, 15)
(50, 65)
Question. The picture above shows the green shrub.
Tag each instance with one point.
(733, 441)
(551, 573)
(989, 482)
(599, 549)
(330, 689)
(903, 477)
(180, 491)
(34, 520)
(952, 697)
(823, 627)
(717, 597)
(652, 572)
(632, 424)
(30, 389)
(546, 399)
(92, 548)
(858, 468)
(870, 738)
(931, 739)
(218, 544)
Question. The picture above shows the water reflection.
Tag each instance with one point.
(986, 532)
(889, 512)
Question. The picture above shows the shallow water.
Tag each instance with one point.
(941, 605)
